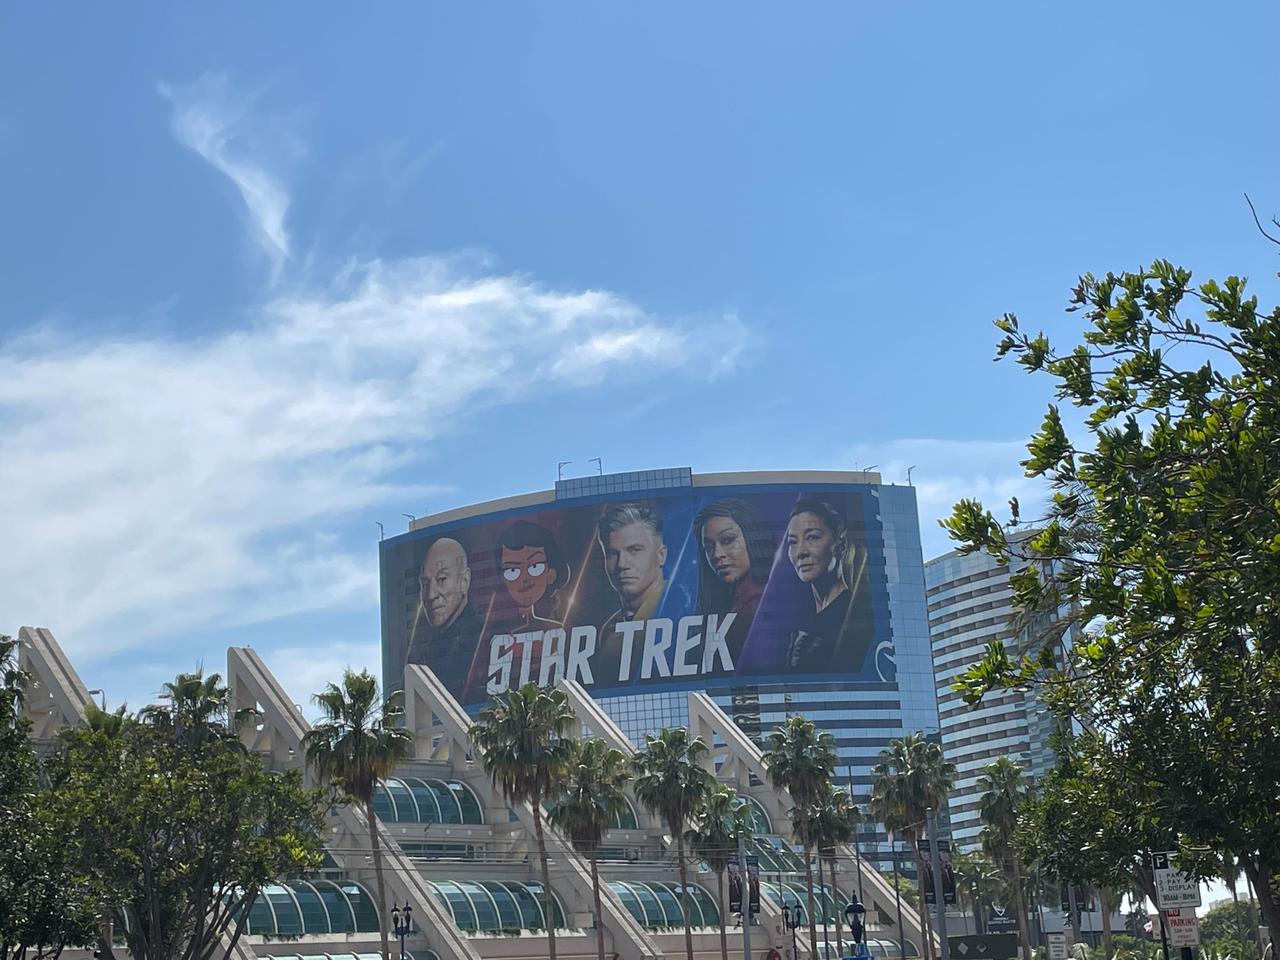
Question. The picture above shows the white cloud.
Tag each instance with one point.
(156, 487)
(209, 120)
(152, 486)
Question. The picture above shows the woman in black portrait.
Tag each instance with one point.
(735, 555)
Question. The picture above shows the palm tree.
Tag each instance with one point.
(197, 711)
(978, 879)
(911, 778)
(833, 824)
(354, 748)
(592, 796)
(672, 782)
(802, 761)
(524, 739)
(723, 818)
(1003, 790)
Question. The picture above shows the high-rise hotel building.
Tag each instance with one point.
(776, 593)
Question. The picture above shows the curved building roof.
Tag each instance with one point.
(313, 907)
(492, 906)
(655, 904)
(427, 800)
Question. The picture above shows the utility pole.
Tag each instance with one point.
(940, 907)
(744, 885)
(897, 900)
(857, 829)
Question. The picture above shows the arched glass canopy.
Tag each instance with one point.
(492, 906)
(312, 907)
(426, 800)
(793, 894)
(625, 819)
(655, 904)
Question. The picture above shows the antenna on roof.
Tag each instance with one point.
(560, 468)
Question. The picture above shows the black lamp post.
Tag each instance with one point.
(402, 924)
(854, 913)
(792, 917)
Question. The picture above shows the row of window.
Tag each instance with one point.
(968, 595)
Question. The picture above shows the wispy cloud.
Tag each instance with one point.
(160, 487)
(210, 120)
(156, 485)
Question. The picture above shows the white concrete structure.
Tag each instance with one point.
(462, 872)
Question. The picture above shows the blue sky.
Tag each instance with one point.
(272, 273)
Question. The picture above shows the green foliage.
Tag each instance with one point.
(802, 761)
(526, 748)
(832, 822)
(592, 793)
(723, 818)
(978, 882)
(46, 901)
(354, 747)
(169, 818)
(673, 782)
(910, 778)
(525, 741)
(359, 741)
(718, 823)
(1163, 540)
(1226, 920)
(671, 779)
(1128, 947)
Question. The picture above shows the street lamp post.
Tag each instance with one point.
(854, 913)
(792, 917)
(402, 924)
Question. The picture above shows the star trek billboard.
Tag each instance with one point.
(694, 587)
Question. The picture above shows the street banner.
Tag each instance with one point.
(948, 873)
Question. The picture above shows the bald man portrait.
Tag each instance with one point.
(448, 629)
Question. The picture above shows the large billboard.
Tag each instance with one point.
(694, 587)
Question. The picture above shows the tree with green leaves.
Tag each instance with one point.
(46, 903)
(978, 882)
(352, 749)
(180, 832)
(802, 761)
(526, 745)
(833, 823)
(1003, 791)
(910, 778)
(1162, 539)
(672, 782)
(718, 823)
(593, 794)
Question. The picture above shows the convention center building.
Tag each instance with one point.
(773, 593)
